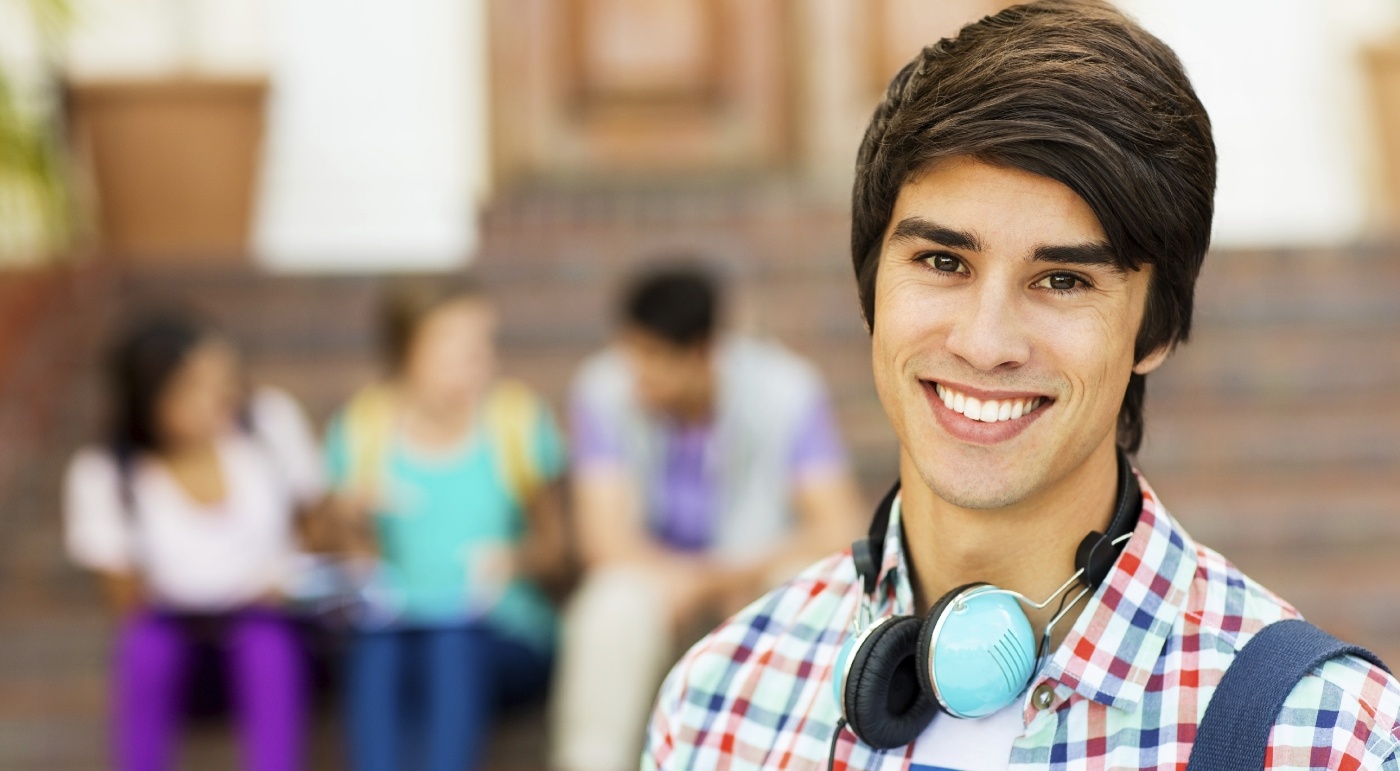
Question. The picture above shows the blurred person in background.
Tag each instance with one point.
(445, 481)
(708, 469)
(189, 515)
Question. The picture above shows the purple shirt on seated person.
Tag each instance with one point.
(682, 500)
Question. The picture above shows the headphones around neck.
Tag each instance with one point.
(973, 654)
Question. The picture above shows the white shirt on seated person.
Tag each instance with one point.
(190, 555)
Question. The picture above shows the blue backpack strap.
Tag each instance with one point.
(1234, 733)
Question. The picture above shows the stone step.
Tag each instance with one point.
(1271, 508)
(1313, 286)
(1208, 435)
(1281, 362)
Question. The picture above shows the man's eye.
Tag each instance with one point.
(1064, 282)
(945, 262)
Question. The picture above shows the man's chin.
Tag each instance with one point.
(973, 484)
(981, 497)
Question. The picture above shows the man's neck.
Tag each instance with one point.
(1028, 547)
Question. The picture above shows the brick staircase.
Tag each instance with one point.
(52, 643)
(1274, 435)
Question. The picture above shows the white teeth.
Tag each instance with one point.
(990, 411)
(972, 408)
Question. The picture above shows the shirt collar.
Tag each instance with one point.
(1110, 652)
(893, 592)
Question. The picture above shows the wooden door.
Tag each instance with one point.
(619, 88)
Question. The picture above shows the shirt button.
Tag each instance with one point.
(1043, 696)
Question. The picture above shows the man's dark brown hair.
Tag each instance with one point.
(1074, 91)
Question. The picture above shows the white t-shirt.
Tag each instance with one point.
(193, 556)
(984, 744)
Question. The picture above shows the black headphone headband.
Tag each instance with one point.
(1097, 552)
(1095, 555)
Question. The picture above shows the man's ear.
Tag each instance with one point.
(1152, 360)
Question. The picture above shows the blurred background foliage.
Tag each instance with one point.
(37, 212)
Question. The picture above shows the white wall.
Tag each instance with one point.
(1283, 84)
(377, 148)
(120, 38)
(376, 153)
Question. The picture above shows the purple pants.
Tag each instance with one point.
(266, 670)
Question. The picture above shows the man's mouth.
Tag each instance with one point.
(987, 410)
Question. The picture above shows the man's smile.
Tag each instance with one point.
(983, 417)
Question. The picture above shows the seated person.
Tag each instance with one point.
(444, 478)
(707, 469)
(188, 512)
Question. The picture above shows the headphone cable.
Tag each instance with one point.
(1043, 648)
(835, 740)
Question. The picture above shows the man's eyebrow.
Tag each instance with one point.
(1079, 254)
(920, 229)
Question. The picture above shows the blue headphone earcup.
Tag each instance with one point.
(976, 651)
(926, 631)
(884, 699)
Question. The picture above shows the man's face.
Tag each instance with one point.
(669, 378)
(996, 294)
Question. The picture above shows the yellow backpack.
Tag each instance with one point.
(510, 414)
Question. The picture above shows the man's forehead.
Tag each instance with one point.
(972, 179)
(964, 203)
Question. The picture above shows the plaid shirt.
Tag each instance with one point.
(1131, 680)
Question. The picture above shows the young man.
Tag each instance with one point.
(1032, 205)
(708, 469)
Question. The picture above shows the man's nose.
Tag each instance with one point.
(989, 332)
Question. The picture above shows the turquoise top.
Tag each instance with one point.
(441, 513)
